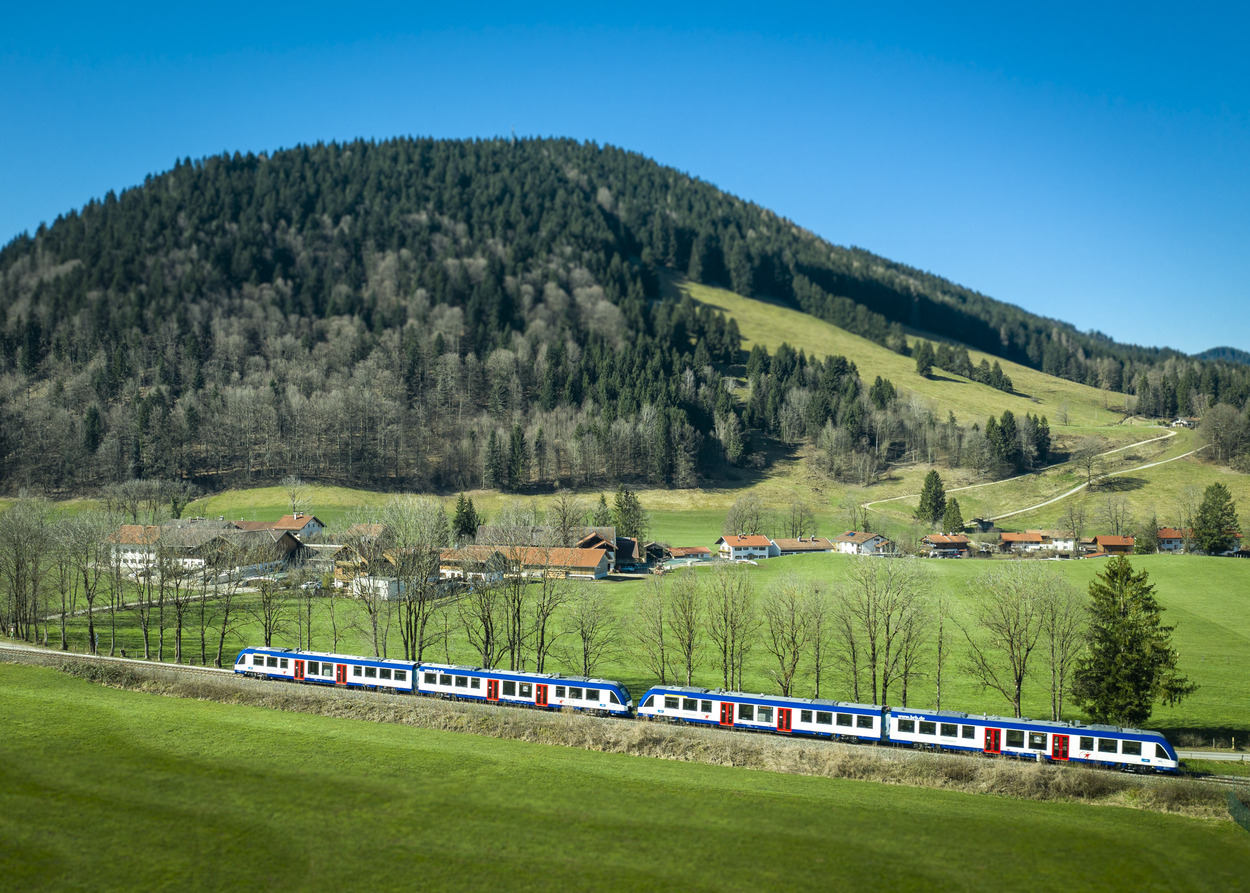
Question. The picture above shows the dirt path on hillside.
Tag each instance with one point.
(1166, 435)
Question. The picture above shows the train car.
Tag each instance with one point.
(318, 668)
(762, 713)
(1032, 739)
(542, 690)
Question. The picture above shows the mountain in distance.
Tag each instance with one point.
(1226, 355)
(458, 313)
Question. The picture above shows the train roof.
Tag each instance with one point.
(529, 674)
(327, 655)
(760, 696)
(1020, 721)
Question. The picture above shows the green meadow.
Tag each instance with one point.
(115, 790)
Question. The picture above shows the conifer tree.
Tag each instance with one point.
(603, 515)
(466, 521)
(1215, 526)
(628, 514)
(932, 499)
(1129, 662)
(952, 518)
(924, 358)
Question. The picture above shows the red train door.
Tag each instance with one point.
(1058, 747)
(492, 689)
(540, 696)
(993, 740)
(299, 671)
(340, 674)
(726, 713)
(783, 719)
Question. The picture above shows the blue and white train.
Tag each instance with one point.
(1107, 746)
(1042, 740)
(541, 690)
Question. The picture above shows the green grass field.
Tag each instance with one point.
(112, 790)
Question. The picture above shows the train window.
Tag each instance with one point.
(401, 675)
(272, 661)
(444, 679)
(690, 704)
(746, 711)
(559, 691)
(509, 688)
(577, 693)
(462, 682)
(671, 702)
(527, 690)
(824, 719)
(969, 732)
(928, 728)
(258, 660)
(864, 722)
(371, 672)
(805, 716)
(1087, 743)
(1015, 738)
(949, 730)
(592, 694)
(844, 719)
(613, 698)
(431, 679)
(474, 682)
(907, 725)
(1107, 745)
(764, 714)
(356, 671)
(705, 706)
(1131, 748)
(386, 673)
(284, 663)
(312, 668)
(1037, 740)
(649, 702)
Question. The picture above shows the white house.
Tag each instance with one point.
(854, 542)
(741, 546)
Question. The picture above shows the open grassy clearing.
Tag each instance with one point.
(1203, 596)
(108, 789)
(770, 325)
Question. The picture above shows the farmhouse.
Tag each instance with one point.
(854, 542)
(1028, 541)
(746, 545)
(948, 545)
(1113, 545)
(802, 546)
(1172, 539)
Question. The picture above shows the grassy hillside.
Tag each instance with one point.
(770, 325)
(113, 790)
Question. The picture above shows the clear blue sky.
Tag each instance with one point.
(1090, 165)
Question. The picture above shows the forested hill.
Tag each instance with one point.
(439, 313)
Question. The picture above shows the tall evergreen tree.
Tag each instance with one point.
(1215, 526)
(952, 518)
(602, 516)
(628, 514)
(932, 499)
(924, 358)
(466, 521)
(1129, 662)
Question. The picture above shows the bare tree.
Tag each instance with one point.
(856, 514)
(87, 539)
(880, 617)
(550, 593)
(297, 493)
(1074, 519)
(480, 610)
(1063, 620)
(820, 642)
(650, 627)
(270, 608)
(416, 529)
(25, 553)
(800, 520)
(731, 620)
(1117, 514)
(941, 652)
(566, 514)
(685, 622)
(787, 613)
(591, 627)
(746, 515)
(1006, 626)
(1085, 457)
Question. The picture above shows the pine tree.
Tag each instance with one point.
(952, 518)
(932, 499)
(924, 358)
(1215, 526)
(628, 514)
(603, 515)
(493, 474)
(464, 525)
(1129, 662)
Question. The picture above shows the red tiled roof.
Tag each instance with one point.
(136, 535)
(746, 541)
(1102, 542)
(296, 522)
(854, 536)
(811, 544)
(941, 539)
(1029, 536)
(689, 551)
(1173, 533)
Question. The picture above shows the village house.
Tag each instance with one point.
(1172, 539)
(743, 546)
(300, 525)
(1026, 541)
(854, 542)
(1113, 545)
(947, 545)
(692, 553)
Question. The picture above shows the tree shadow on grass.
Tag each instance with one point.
(1121, 484)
